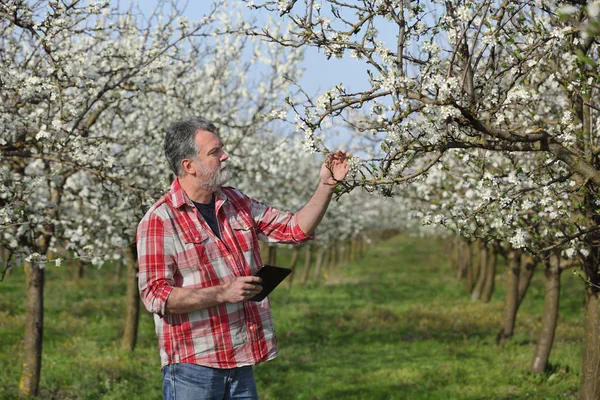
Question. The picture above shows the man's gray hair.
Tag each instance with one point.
(180, 143)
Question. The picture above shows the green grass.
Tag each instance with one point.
(394, 325)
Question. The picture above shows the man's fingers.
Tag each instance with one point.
(250, 279)
(253, 287)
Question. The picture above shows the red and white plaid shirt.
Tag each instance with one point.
(177, 248)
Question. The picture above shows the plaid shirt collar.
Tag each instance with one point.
(179, 197)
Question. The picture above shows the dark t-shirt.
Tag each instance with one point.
(209, 213)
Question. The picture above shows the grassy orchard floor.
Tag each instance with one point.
(394, 325)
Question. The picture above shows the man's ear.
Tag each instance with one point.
(188, 166)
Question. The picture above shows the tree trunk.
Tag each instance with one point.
(361, 246)
(118, 266)
(332, 259)
(78, 269)
(464, 264)
(455, 255)
(511, 298)
(34, 327)
(326, 259)
(264, 251)
(341, 250)
(475, 261)
(132, 302)
(490, 275)
(528, 265)
(470, 278)
(4, 270)
(307, 257)
(589, 388)
(293, 262)
(319, 262)
(550, 314)
(272, 255)
(482, 272)
(346, 254)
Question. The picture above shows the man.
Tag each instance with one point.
(197, 252)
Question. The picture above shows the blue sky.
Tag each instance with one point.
(320, 74)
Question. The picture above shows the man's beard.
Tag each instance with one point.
(211, 180)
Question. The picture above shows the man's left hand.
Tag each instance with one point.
(335, 168)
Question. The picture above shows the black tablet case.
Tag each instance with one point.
(271, 276)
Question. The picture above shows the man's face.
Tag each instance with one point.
(212, 171)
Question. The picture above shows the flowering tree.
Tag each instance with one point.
(513, 77)
(87, 92)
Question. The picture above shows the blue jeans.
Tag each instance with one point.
(195, 382)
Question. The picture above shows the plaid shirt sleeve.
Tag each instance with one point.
(156, 258)
(277, 226)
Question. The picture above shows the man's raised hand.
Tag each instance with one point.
(335, 168)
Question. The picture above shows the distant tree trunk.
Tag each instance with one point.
(481, 276)
(341, 250)
(360, 246)
(550, 314)
(34, 327)
(307, 257)
(470, 278)
(78, 269)
(264, 251)
(132, 302)
(326, 258)
(490, 275)
(528, 265)
(464, 266)
(455, 254)
(118, 266)
(272, 255)
(589, 388)
(4, 270)
(475, 263)
(332, 259)
(346, 252)
(511, 298)
(319, 261)
(293, 262)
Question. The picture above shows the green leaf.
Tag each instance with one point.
(584, 58)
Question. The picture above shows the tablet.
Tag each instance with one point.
(271, 277)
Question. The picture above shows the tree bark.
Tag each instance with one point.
(511, 298)
(132, 308)
(455, 255)
(293, 262)
(272, 255)
(464, 264)
(34, 327)
(482, 272)
(307, 257)
(78, 269)
(319, 262)
(474, 250)
(264, 251)
(332, 260)
(490, 275)
(344, 256)
(528, 265)
(4, 270)
(326, 259)
(118, 267)
(550, 314)
(589, 388)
